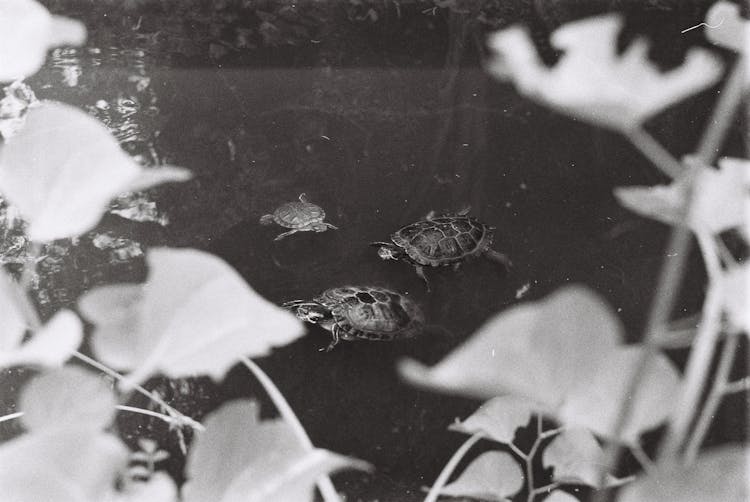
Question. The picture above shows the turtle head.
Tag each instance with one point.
(387, 250)
(312, 312)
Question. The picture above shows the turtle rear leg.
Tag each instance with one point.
(499, 258)
(334, 342)
(332, 227)
(286, 234)
(423, 276)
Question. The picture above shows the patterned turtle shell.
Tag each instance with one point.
(444, 240)
(372, 313)
(298, 214)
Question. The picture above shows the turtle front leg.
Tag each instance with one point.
(286, 234)
(332, 227)
(334, 342)
(423, 276)
(499, 258)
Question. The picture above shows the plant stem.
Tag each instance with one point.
(150, 413)
(714, 398)
(640, 455)
(184, 419)
(655, 152)
(696, 373)
(327, 490)
(442, 478)
(11, 416)
(741, 385)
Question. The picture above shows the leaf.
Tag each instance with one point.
(720, 198)
(735, 285)
(561, 496)
(498, 418)
(576, 457)
(564, 355)
(27, 32)
(591, 81)
(159, 488)
(493, 476)
(62, 169)
(75, 465)
(12, 323)
(194, 315)
(728, 28)
(240, 457)
(67, 397)
(52, 345)
(719, 474)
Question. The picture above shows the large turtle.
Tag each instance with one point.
(439, 241)
(300, 216)
(361, 313)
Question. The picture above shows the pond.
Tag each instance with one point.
(379, 112)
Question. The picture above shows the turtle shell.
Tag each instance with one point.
(444, 240)
(298, 214)
(372, 313)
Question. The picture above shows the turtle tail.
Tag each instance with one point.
(266, 219)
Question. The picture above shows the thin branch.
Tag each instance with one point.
(141, 411)
(11, 416)
(655, 152)
(714, 398)
(642, 457)
(546, 488)
(445, 474)
(327, 490)
(741, 385)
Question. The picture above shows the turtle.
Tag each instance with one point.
(361, 313)
(300, 216)
(443, 240)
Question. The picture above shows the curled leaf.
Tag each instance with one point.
(242, 458)
(67, 397)
(62, 169)
(194, 315)
(575, 456)
(721, 198)
(494, 476)
(498, 418)
(562, 354)
(591, 81)
(27, 32)
(719, 474)
(75, 464)
(52, 345)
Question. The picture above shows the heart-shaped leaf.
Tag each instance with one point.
(720, 198)
(719, 474)
(62, 169)
(564, 355)
(494, 476)
(591, 81)
(575, 456)
(498, 418)
(194, 315)
(241, 458)
(27, 32)
(67, 397)
(75, 465)
(52, 345)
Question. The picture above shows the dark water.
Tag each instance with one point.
(378, 133)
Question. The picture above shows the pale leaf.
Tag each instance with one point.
(159, 488)
(591, 81)
(728, 28)
(561, 496)
(27, 32)
(241, 458)
(52, 345)
(736, 297)
(575, 456)
(720, 474)
(71, 465)
(498, 418)
(12, 323)
(562, 354)
(720, 198)
(67, 397)
(194, 315)
(492, 476)
(62, 169)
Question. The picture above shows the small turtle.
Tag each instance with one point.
(440, 241)
(300, 216)
(361, 313)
